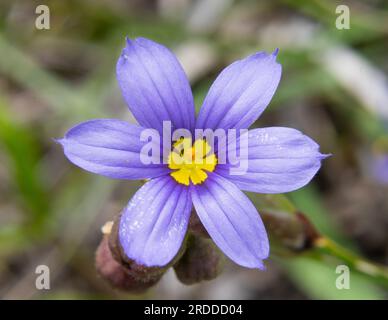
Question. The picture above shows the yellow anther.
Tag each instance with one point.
(191, 162)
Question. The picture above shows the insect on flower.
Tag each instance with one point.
(156, 89)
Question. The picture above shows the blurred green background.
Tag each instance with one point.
(333, 88)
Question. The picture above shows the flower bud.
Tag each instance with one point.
(116, 274)
(138, 271)
(290, 233)
(201, 261)
(196, 226)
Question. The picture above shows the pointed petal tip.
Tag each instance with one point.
(131, 42)
(125, 51)
(58, 140)
(128, 40)
(275, 52)
(325, 156)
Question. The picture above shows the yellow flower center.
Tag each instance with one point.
(191, 162)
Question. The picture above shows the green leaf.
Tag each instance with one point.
(318, 280)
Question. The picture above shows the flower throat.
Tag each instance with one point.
(191, 161)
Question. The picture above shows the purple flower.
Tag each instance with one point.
(156, 89)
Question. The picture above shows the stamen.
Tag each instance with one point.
(191, 161)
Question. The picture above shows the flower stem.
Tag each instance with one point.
(361, 265)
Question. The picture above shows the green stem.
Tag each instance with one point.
(361, 265)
